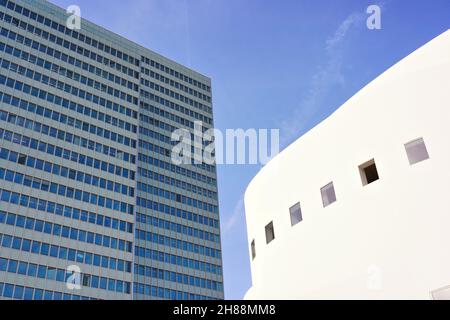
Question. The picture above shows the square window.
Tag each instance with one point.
(28, 294)
(368, 172)
(253, 249)
(328, 194)
(18, 292)
(296, 214)
(22, 159)
(8, 290)
(38, 293)
(416, 151)
(22, 268)
(270, 233)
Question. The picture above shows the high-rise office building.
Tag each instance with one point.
(87, 185)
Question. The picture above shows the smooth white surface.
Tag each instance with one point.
(386, 240)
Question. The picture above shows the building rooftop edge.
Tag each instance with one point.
(121, 40)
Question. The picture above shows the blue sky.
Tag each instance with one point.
(274, 64)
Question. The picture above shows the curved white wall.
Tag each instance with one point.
(387, 240)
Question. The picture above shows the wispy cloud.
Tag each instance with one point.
(327, 75)
(341, 32)
(236, 216)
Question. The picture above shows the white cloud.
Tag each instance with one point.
(327, 75)
(341, 32)
(236, 215)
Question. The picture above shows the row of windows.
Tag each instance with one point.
(63, 253)
(416, 151)
(61, 275)
(165, 275)
(168, 92)
(12, 291)
(76, 214)
(52, 82)
(87, 53)
(164, 293)
(56, 229)
(156, 136)
(175, 106)
(58, 55)
(163, 208)
(176, 227)
(175, 84)
(65, 172)
(176, 183)
(177, 244)
(74, 34)
(61, 71)
(44, 49)
(80, 109)
(175, 74)
(166, 139)
(45, 95)
(47, 36)
(72, 122)
(163, 113)
(177, 260)
(174, 168)
(149, 119)
(64, 191)
(168, 152)
(70, 45)
(65, 154)
(65, 136)
(175, 197)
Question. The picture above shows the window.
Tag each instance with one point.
(368, 172)
(416, 151)
(86, 280)
(12, 266)
(270, 234)
(8, 290)
(328, 194)
(3, 264)
(38, 294)
(22, 159)
(28, 294)
(32, 270)
(296, 214)
(253, 249)
(18, 293)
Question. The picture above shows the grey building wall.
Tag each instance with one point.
(85, 169)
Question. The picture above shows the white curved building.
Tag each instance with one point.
(359, 207)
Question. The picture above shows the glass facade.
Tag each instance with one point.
(85, 166)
